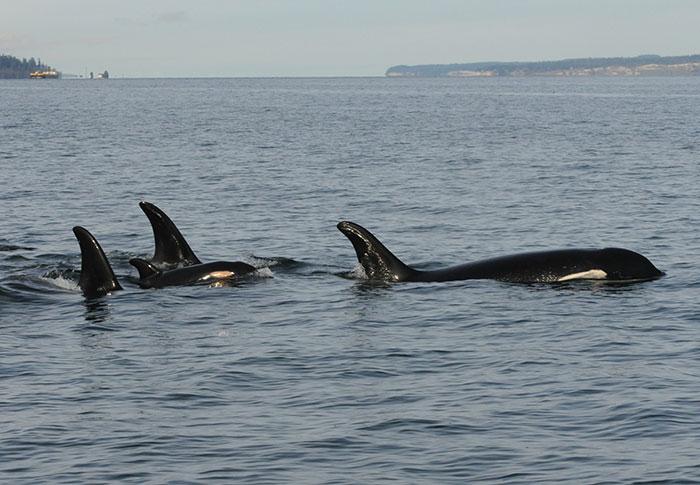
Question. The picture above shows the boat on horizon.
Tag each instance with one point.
(48, 74)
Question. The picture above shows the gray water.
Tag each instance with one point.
(306, 373)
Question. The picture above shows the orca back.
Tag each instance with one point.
(152, 277)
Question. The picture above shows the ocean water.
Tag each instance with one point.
(307, 373)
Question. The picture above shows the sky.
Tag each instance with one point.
(290, 38)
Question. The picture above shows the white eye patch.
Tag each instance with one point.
(591, 274)
(217, 275)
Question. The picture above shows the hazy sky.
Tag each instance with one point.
(213, 38)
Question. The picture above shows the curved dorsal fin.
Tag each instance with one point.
(96, 275)
(171, 247)
(377, 261)
(145, 268)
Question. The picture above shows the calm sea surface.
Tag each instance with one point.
(307, 374)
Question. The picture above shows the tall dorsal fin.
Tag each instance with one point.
(171, 247)
(377, 261)
(96, 275)
(145, 268)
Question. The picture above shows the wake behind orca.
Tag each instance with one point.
(610, 264)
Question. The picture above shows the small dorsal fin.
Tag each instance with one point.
(377, 261)
(145, 268)
(96, 275)
(171, 246)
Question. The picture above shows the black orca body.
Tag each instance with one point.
(173, 251)
(153, 277)
(96, 275)
(610, 264)
(171, 247)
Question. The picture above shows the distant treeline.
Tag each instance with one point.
(14, 68)
(525, 68)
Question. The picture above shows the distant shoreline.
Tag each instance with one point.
(646, 65)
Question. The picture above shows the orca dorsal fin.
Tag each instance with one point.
(96, 275)
(171, 247)
(145, 268)
(377, 261)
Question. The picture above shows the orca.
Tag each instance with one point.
(98, 279)
(171, 247)
(609, 264)
(174, 262)
(96, 275)
(153, 277)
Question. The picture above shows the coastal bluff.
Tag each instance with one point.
(646, 65)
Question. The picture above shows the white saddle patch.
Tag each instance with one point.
(591, 274)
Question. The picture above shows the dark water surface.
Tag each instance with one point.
(307, 375)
